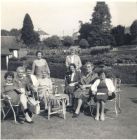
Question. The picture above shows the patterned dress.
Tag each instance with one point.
(9, 89)
(85, 80)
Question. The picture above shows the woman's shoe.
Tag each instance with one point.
(75, 115)
(102, 117)
(27, 116)
(97, 118)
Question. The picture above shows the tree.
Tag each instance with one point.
(101, 25)
(4, 32)
(133, 31)
(127, 39)
(119, 34)
(53, 41)
(28, 35)
(85, 31)
(68, 41)
(83, 43)
(15, 32)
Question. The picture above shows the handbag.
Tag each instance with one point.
(34, 105)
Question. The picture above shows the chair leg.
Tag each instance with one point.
(3, 112)
(49, 110)
(116, 108)
(64, 108)
(13, 112)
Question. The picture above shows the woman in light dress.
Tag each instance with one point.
(40, 65)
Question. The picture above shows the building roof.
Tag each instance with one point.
(5, 52)
(40, 32)
(9, 42)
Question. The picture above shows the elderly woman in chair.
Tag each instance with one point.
(103, 88)
(83, 92)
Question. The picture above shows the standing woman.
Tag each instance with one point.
(73, 58)
(40, 65)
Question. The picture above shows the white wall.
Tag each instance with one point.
(15, 53)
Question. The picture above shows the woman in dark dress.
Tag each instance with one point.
(72, 79)
(102, 89)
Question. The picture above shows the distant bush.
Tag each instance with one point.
(13, 64)
(83, 43)
(68, 41)
(100, 50)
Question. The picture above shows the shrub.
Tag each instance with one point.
(13, 64)
(68, 41)
(83, 43)
(53, 41)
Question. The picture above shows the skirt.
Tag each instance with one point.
(82, 94)
(102, 97)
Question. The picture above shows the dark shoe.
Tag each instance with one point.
(75, 115)
(21, 121)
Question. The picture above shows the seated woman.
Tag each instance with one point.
(11, 90)
(32, 82)
(83, 92)
(102, 89)
(45, 88)
(71, 82)
(21, 84)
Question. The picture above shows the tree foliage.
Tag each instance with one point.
(68, 41)
(28, 35)
(119, 34)
(97, 33)
(53, 41)
(83, 43)
(133, 31)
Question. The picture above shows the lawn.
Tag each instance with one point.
(84, 127)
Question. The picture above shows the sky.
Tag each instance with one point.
(61, 17)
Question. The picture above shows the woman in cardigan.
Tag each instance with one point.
(102, 88)
(73, 58)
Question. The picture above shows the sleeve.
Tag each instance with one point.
(33, 67)
(111, 86)
(95, 85)
(79, 62)
(67, 62)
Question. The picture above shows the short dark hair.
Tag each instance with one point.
(72, 64)
(9, 73)
(39, 52)
(29, 67)
(101, 71)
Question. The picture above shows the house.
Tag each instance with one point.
(9, 49)
(75, 37)
(43, 35)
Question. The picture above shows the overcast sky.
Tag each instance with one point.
(58, 16)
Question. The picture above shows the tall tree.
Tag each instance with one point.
(119, 34)
(100, 26)
(133, 31)
(28, 35)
